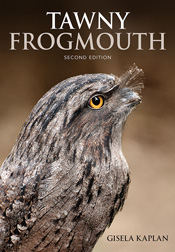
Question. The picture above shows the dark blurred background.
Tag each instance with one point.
(149, 135)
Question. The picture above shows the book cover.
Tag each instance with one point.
(46, 42)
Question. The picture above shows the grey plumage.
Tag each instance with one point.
(66, 176)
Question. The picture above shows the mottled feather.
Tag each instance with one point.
(66, 176)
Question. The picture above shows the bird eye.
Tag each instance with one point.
(96, 102)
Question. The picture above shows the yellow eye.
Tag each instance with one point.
(96, 102)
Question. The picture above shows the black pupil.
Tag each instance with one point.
(96, 100)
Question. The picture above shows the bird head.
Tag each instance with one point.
(81, 112)
(99, 105)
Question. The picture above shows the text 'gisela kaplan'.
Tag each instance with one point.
(137, 238)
